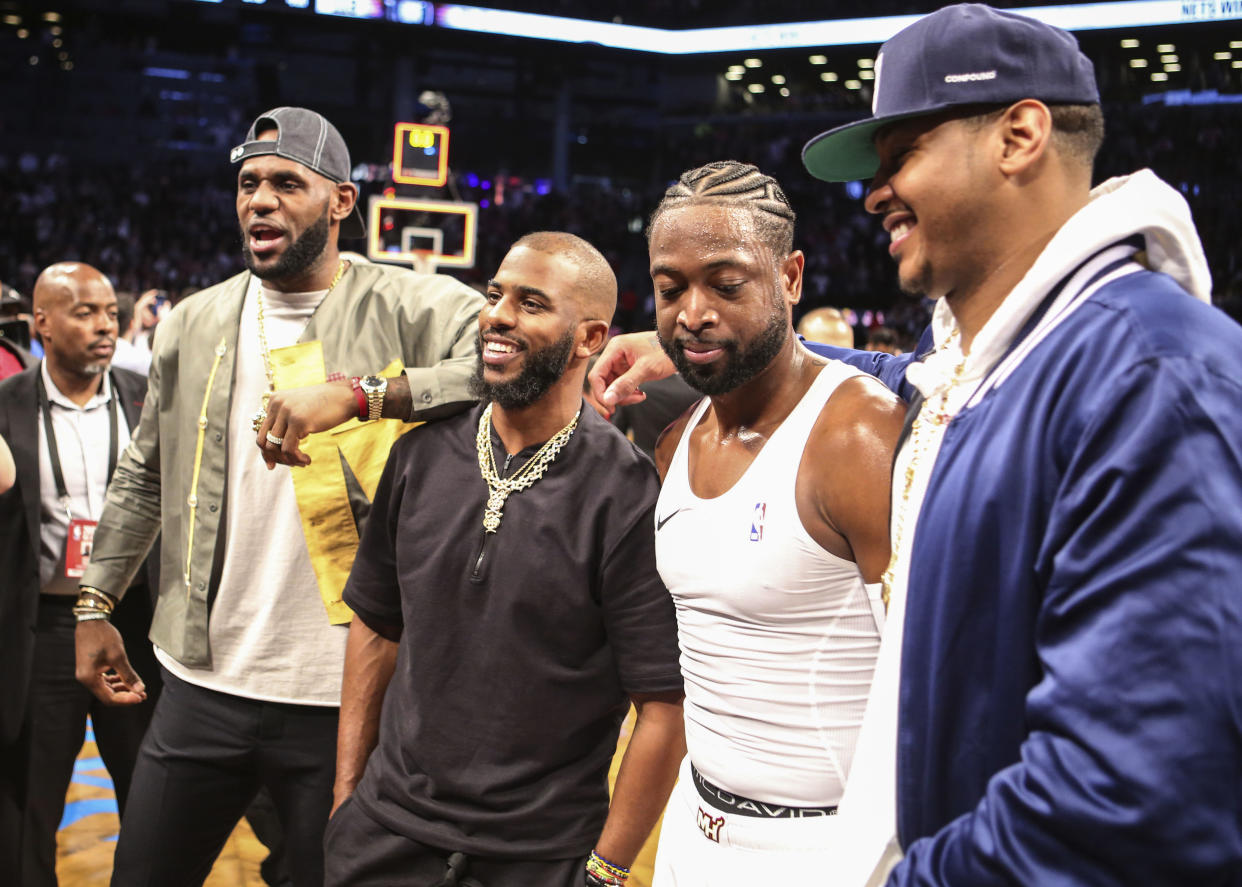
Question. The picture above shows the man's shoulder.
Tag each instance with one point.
(860, 412)
(1142, 320)
(403, 285)
(607, 444)
(128, 380)
(18, 381)
(445, 437)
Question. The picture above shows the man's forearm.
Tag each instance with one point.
(370, 660)
(128, 526)
(647, 774)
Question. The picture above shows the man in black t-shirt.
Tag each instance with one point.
(508, 611)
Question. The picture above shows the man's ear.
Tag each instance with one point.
(40, 321)
(592, 334)
(346, 197)
(791, 276)
(1025, 130)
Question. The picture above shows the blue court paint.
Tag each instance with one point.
(76, 810)
(84, 773)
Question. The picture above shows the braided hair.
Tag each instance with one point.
(731, 183)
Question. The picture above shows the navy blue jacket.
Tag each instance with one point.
(1071, 684)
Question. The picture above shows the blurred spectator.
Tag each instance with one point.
(827, 326)
(881, 338)
(15, 355)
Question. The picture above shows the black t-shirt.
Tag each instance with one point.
(646, 420)
(516, 653)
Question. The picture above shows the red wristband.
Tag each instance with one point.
(355, 383)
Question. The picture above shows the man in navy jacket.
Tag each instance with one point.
(1057, 697)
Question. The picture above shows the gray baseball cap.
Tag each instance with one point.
(304, 137)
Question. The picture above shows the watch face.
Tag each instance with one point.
(371, 382)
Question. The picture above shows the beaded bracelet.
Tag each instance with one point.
(609, 874)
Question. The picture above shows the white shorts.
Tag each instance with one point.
(705, 845)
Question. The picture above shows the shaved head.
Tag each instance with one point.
(75, 316)
(596, 287)
(828, 326)
(63, 283)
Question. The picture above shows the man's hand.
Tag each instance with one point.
(626, 362)
(297, 412)
(102, 666)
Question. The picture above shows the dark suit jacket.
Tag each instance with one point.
(19, 540)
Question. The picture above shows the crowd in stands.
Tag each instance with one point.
(159, 226)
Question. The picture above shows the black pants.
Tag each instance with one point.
(205, 756)
(55, 727)
(360, 852)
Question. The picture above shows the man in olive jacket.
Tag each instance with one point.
(249, 627)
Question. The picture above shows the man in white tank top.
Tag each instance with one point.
(773, 515)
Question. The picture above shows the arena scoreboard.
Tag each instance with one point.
(420, 154)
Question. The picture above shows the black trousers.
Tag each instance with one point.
(360, 852)
(55, 727)
(205, 756)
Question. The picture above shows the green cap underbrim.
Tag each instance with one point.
(847, 153)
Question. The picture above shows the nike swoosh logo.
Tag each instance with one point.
(660, 523)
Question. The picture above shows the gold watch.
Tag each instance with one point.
(374, 387)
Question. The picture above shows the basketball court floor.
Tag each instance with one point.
(89, 828)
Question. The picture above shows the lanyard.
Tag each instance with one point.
(54, 451)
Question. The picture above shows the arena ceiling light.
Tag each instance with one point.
(733, 75)
(1170, 59)
(1129, 43)
(866, 63)
(853, 84)
(829, 76)
(753, 63)
(795, 35)
(1138, 63)
(866, 74)
(1166, 47)
(1159, 76)
(778, 79)
(756, 88)
(818, 60)
(1223, 56)
(785, 91)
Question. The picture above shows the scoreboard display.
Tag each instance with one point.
(420, 154)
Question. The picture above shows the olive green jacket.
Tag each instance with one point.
(376, 314)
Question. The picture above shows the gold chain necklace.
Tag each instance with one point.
(257, 419)
(499, 487)
(936, 415)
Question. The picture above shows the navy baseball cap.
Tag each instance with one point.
(304, 137)
(968, 54)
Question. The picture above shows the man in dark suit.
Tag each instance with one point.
(65, 419)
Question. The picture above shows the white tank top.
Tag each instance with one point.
(778, 640)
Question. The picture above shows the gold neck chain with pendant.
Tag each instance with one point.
(933, 414)
(257, 419)
(499, 488)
